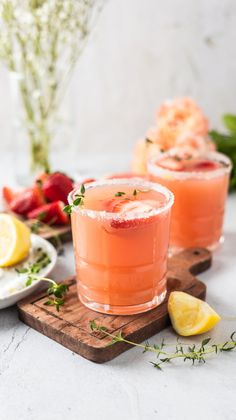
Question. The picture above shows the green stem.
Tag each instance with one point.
(44, 279)
(193, 353)
(39, 143)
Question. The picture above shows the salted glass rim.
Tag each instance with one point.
(134, 182)
(154, 169)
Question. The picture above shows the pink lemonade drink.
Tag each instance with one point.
(120, 236)
(200, 187)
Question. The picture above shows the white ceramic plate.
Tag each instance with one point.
(12, 285)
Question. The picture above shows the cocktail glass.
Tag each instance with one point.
(200, 196)
(121, 257)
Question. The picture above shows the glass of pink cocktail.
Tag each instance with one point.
(120, 236)
(200, 185)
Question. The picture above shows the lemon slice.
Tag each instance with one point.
(14, 240)
(189, 315)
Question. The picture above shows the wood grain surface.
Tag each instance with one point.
(70, 326)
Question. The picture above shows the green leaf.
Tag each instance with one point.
(77, 201)
(82, 189)
(22, 270)
(59, 301)
(93, 325)
(232, 336)
(119, 193)
(229, 121)
(205, 341)
(59, 290)
(68, 209)
(156, 365)
(228, 348)
(29, 281)
(48, 302)
(223, 140)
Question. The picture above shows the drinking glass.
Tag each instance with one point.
(200, 196)
(121, 259)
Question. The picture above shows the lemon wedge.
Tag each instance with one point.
(14, 240)
(189, 315)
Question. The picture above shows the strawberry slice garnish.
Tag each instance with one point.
(171, 163)
(51, 213)
(204, 165)
(124, 206)
(27, 200)
(116, 205)
(57, 186)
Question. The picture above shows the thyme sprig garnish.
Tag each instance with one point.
(119, 193)
(35, 267)
(32, 271)
(134, 193)
(184, 351)
(78, 201)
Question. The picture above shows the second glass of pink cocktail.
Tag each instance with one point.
(200, 185)
(120, 236)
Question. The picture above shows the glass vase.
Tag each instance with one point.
(37, 148)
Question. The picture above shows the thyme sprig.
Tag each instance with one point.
(119, 193)
(37, 226)
(35, 267)
(78, 201)
(32, 271)
(134, 193)
(184, 351)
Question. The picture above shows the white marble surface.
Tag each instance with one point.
(41, 380)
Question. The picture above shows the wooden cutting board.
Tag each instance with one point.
(70, 326)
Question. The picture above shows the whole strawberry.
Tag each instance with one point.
(27, 200)
(56, 187)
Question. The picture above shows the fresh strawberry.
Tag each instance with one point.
(51, 213)
(57, 187)
(27, 200)
(171, 163)
(9, 194)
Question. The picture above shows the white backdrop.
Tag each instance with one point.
(141, 52)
